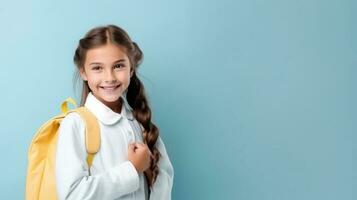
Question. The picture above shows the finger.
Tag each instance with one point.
(132, 146)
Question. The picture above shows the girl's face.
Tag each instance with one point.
(107, 70)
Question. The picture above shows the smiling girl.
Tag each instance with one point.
(132, 162)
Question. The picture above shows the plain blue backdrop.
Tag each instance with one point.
(255, 100)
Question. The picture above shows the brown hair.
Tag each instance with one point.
(135, 93)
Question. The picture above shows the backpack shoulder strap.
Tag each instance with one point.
(92, 131)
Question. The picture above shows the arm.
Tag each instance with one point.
(161, 190)
(73, 180)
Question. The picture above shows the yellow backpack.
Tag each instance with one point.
(40, 180)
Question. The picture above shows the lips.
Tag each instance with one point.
(109, 88)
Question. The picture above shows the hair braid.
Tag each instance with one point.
(137, 100)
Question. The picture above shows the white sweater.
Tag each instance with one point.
(111, 176)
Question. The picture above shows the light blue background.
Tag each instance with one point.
(255, 99)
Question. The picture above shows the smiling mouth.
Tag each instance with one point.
(109, 88)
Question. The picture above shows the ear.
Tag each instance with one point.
(83, 74)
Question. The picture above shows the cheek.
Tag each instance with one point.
(93, 80)
(125, 78)
(126, 81)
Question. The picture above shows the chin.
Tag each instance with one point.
(108, 98)
(111, 99)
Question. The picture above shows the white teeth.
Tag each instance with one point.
(110, 88)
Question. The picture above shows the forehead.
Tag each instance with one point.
(106, 53)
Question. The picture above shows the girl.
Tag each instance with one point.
(132, 162)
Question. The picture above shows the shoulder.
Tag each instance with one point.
(72, 124)
(160, 143)
(72, 119)
(71, 137)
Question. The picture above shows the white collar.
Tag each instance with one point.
(104, 113)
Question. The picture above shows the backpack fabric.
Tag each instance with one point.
(40, 179)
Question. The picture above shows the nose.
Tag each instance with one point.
(110, 77)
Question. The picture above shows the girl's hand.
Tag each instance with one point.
(139, 154)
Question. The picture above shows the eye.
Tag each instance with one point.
(118, 66)
(96, 67)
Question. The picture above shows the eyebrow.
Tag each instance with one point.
(99, 63)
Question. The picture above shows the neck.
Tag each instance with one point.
(116, 106)
(120, 102)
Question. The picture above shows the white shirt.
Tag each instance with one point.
(111, 176)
